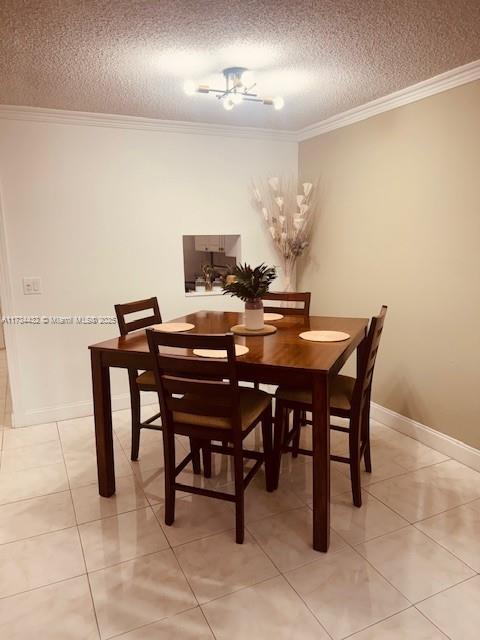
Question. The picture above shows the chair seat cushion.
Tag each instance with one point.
(341, 392)
(146, 379)
(252, 403)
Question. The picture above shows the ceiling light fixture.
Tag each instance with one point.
(235, 91)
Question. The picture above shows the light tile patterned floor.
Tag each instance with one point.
(77, 566)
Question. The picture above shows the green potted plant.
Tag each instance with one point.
(250, 284)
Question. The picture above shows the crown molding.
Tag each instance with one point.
(58, 116)
(442, 82)
(448, 80)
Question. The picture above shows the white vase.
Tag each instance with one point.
(254, 315)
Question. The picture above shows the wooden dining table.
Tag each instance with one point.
(279, 358)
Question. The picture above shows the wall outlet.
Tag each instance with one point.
(32, 286)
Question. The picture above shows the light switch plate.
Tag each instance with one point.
(32, 286)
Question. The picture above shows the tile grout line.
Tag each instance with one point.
(170, 547)
(41, 586)
(370, 626)
(207, 623)
(88, 573)
(452, 586)
(89, 584)
(150, 624)
(350, 635)
(410, 604)
(79, 536)
(433, 515)
(433, 594)
(432, 622)
(407, 472)
(411, 524)
(440, 544)
(282, 573)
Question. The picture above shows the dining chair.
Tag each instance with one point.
(200, 398)
(288, 296)
(349, 398)
(146, 380)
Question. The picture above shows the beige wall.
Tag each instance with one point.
(400, 225)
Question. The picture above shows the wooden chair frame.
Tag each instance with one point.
(199, 386)
(123, 310)
(288, 296)
(358, 415)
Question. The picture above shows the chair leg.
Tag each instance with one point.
(169, 463)
(367, 456)
(239, 494)
(356, 481)
(195, 449)
(286, 418)
(207, 459)
(135, 412)
(268, 450)
(354, 455)
(279, 435)
(297, 426)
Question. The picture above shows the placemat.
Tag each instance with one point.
(173, 327)
(324, 336)
(240, 350)
(241, 330)
(269, 317)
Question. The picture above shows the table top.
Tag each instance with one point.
(281, 349)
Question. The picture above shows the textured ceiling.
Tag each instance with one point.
(132, 57)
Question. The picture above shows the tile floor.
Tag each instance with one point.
(77, 566)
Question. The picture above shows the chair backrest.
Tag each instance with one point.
(122, 310)
(363, 384)
(206, 386)
(288, 296)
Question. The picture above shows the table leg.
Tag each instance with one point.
(321, 463)
(102, 409)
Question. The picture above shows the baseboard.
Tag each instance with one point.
(69, 411)
(426, 435)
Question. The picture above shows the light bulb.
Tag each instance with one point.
(278, 103)
(236, 98)
(189, 87)
(228, 104)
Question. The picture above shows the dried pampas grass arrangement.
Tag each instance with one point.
(289, 213)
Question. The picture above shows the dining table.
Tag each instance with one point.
(281, 358)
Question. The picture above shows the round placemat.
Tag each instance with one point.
(269, 317)
(240, 350)
(173, 327)
(324, 336)
(241, 330)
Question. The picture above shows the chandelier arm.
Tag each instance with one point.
(230, 92)
(256, 99)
